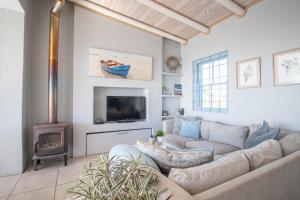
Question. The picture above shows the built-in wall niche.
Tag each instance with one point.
(100, 100)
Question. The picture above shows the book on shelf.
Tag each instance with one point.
(178, 89)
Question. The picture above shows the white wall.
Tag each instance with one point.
(95, 31)
(270, 26)
(11, 82)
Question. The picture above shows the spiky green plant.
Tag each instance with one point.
(117, 179)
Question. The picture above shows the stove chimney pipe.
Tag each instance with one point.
(53, 61)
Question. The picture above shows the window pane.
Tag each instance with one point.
(212, 74)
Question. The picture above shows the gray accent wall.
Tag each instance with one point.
(270, 26)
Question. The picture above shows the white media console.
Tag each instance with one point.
(102, 142)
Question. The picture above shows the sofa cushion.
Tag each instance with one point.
(262, 154)
(129, 152)
(176, 139)
(228, 134)
(205, 129)
(178, 120)
(167, 159)
(200, 178)
(290, 144)
(219, 148)
(262, 133)
(190, 128)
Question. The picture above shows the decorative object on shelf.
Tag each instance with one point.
(99, 120)
(166, 91)
(159, 135)
(178, 89)
(97, 174)
(286, 67)
(113, 64)
(165, 113)
(181, 111)
(248, 73)
(173, 63)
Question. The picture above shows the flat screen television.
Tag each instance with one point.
(125, 108)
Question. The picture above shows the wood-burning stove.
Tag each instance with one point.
(51, 139)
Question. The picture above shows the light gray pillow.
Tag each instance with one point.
(205, 129)
(228, 134)
(200, 178)
(167, 159)
(290, 144)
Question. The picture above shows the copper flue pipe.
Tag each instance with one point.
(53, 60)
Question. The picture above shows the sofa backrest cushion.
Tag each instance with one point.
(190, 128)
(200, 178)
(262, 154)
(205, 129)
(290, 144)
(167, 159)
(228, 134)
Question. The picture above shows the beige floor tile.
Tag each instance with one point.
(68, 175)
(3, 198)
(61, 191)
(47, 166)
(35, 182)
(73, 163)
(43, 194)
(7, 184)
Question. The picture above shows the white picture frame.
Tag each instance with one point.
(286, 67)
(249, 73)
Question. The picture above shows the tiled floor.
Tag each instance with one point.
(49, 182)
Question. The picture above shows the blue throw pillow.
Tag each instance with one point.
(190, 128)
(261, 134)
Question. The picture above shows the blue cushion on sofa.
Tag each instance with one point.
(261, 134)
(190, 128)
(129, 152)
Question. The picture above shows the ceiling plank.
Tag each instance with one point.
(175, 15)
(232, 6)
(105, 11)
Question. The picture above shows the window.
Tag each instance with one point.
(210, 83)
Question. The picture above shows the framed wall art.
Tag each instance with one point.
(114, 64)
(248, 73)
(286, 67)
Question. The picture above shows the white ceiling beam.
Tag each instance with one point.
(175, 15)
(105, 11)
(232, 6)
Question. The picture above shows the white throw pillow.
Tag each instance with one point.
(290, 144)
(228, 134)
(200, 178)
(263, 153)
(167, 159)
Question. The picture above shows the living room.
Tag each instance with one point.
(202, 96)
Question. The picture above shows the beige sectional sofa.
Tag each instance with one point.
(278, 180)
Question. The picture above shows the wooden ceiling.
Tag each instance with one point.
(179, 20)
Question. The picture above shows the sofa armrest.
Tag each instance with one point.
(168, 126)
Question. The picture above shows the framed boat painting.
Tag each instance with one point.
(248, 73)
(286, 67)
(114, 64)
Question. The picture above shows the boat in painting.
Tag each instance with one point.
(115, 68)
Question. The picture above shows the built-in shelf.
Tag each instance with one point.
(167, 117)
(172, 96)
(171, 74)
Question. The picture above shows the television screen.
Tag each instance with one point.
(124, 108)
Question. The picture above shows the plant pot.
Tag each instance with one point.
(159, 139)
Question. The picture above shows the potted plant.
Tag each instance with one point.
(159, 135)
(116, 179)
